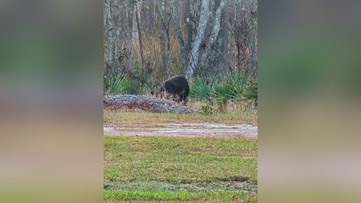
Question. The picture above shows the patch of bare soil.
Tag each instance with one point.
(143, 103)
(154, 104)
(185, 130)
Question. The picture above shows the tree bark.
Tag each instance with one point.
(165, 37)
(118, 52)
(176, 22)
(230, 52)
(215, 30)
(128, 40)
(191, 31)
(109, 32)
(140, 40)
(203, 20)
(238, 56)
(184, 47)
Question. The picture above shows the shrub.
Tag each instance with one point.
(236, 86)
(200, 89)
(115, 84)
(251, 89)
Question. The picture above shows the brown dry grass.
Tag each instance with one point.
(234, 114)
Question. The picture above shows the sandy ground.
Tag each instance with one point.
(185, 130)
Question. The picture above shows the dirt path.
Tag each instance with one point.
(185, 130)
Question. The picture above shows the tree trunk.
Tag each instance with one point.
(165, 38)
(191, 32)
(230, 53)
(176, 22)
(109, 32)
(238, 56)
(168, 52)
(203, 20)
(214, 35)
(177, 26)
(164, 55)
(128, 40)
(254, 51)
(118, 52)
(140, 40)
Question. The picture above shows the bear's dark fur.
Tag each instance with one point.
(176, 86)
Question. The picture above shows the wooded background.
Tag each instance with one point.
(152, 40)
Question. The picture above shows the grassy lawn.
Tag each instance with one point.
(152, 119)
(174, 168)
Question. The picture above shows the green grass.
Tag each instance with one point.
(168, 168)
(147, 118)
(209, 196)
(179, 186)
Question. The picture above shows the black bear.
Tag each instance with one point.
(177, 87)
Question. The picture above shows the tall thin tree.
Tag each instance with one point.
(108, 25)
(141, 46)
(202, 25)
